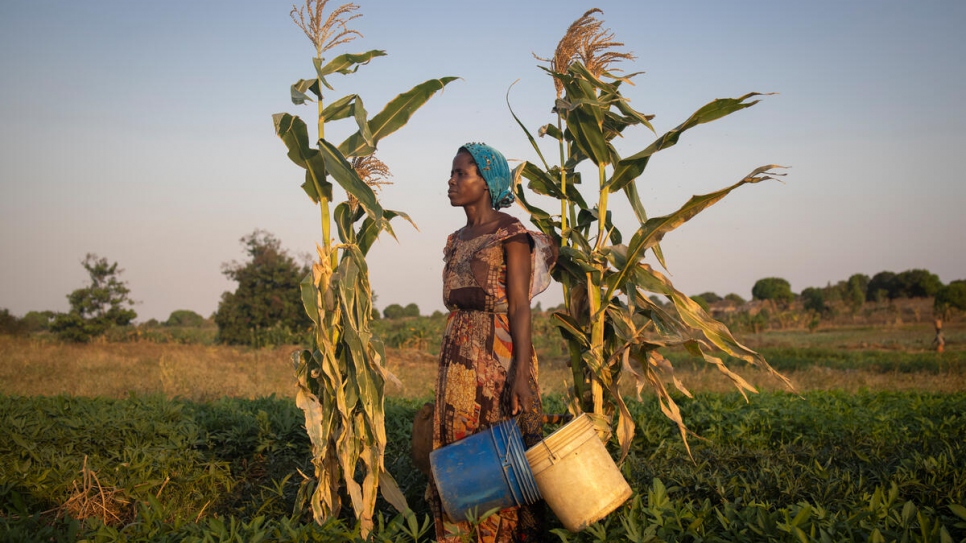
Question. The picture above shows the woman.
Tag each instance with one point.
(487, 367)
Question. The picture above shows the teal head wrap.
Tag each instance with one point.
(494, 169)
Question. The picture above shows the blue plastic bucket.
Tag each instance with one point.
(484, 471)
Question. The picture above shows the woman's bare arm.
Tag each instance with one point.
(518, 312)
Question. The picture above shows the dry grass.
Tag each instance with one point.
(32, 367)
(91, 500)
(197, 372)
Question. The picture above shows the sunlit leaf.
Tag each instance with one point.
(394, 116)
(301, 87)
(652, 231)
(347, 63)
(345, 175)
(630, 168)
(294, 134)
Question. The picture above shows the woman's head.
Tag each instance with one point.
(495, 171)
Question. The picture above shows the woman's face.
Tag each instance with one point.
(466, 185)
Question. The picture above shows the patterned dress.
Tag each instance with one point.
(475, 358)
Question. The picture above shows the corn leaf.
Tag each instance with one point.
(629, 168)
(299, 89)
(343, 108)
(394, 116)
(533, 142)
(652, 231)
(347, 63)
(295, 135)
(345, 175)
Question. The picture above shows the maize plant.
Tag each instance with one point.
(341, 376)
(612, 329)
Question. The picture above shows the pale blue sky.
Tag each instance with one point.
(142, 131)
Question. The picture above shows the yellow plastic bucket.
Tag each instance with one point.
(576, 475)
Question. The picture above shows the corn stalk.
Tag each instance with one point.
(341, 375)
(612, 328)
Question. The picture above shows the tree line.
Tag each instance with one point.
(266, 308)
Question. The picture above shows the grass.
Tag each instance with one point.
(172, 441)
(847, 358)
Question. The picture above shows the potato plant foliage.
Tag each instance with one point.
(341, 376)
(826, 466)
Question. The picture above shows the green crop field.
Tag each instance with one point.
(143, 441)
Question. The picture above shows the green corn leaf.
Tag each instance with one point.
(347, 63)
(533, 142)
(370, 230)
(630, 190)
(346, 176)
(310, 296)
(540, 182)
(394, 116)
(295, 136)
(631, 167)
(652, 231)
(342, 108)
(571, 328)
(345, 218)
(588, 136)
(301, 87)
(361, 121)
(552, 131)
(639, 117)
(548, 184)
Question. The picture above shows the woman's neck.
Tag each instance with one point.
(480, 215)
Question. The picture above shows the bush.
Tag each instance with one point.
(951, 296)
(184, 317)
(10, 324)
(814, 300)
(773, 288)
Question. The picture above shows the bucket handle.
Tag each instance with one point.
(552, 457)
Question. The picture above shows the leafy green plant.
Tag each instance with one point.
(341, 377)
(837, 466)
(609, 321)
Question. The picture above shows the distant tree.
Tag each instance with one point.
(185, 317)
(881, 286)
(266, 307)
(856, 287)
(773, 288)
(814, 300)
(710, 297)
(411, 310)
(38, 321)
(834, 293)
(10, 324)
(95, 309)
(951, 296)
(658, 301)
(394, 311)
(734, 299)
(917, 284)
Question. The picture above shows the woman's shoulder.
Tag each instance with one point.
(508, 225)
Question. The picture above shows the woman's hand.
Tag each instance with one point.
(521, 397)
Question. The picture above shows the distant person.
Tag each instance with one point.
(487, 366)
(939, 342)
